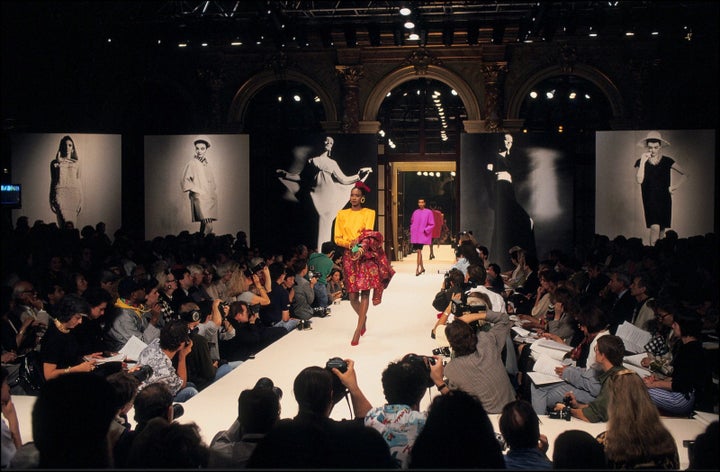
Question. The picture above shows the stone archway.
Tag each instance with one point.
(588, 73)
(408, 73)
(252, 86)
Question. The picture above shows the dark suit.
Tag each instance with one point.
(621, 309)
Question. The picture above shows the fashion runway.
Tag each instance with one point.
(400, 325)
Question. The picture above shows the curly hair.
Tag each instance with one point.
(404, 382)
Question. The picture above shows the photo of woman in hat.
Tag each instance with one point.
(655, 178)
(199, 182)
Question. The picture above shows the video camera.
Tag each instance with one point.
(321, 311)
(178, 410)
(339, 390)
(459, 308)
(442, 351)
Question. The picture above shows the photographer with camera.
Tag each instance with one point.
(478, 367)
(277, 313)
(301, 306)
(400, 419)
(251, 336)
(312, 440)
(321, 264)
(174, 341)
(609, 352)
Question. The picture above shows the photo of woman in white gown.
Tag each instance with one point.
(66, 195)
(328, 186)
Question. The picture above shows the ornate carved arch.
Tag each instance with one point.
(410, 72)
(586, 72)
(252, 86)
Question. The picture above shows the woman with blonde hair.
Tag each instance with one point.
(635, 436)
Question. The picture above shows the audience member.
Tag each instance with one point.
(642, 289)
(458, 434)
(90, 334)
(173, 341)
(322, 264)
(277, 313)
(677, 394)
(251, 336)
(609, 352)
(129, 317)
(477, 366)
(258, 411)
(520, 427)
(60, 351)
(575, 449)
(70, 421)
(400, 419)
(168, 445)
(11, 438)
(635, 436)
(703, 453)
(302, 302)
(125, 386)
(619, 303)
(312, 440)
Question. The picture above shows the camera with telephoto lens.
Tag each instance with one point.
(178, 410)
(339, 390)
(221, 309)
(313, 273)
(562, 414)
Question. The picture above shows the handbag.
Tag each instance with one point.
(30, 376)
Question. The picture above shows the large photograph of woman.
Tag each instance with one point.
(66, 192)
(69, 178)
(654, 181)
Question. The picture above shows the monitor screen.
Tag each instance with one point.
(10, 195)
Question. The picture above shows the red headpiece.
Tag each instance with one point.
(362, 186)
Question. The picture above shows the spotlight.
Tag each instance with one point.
(405, 11)
(409, 24)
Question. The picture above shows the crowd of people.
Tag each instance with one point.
(203, 304)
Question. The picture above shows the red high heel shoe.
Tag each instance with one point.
(362, 331)
(354, 343)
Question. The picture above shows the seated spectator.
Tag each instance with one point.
(456, 426)
(576, 449)
(477, 366)
(609, 353)
(704, 454)
(301, 306)
(250, 337)
(125, 386)
(312, 440)
(11, 438)
(168, 445)
(154, 401)
(321, 263)
(70, 421)
(335, 286)
(584, 377)
(400, 419)
(277, 313)
(60, 351)
(174, 341)
(677, 395)
(202, 370)
(520, 427)
(90, 333)
(129, 318)
(258, 411)
(635, 435)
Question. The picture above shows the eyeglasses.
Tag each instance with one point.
(171, 281)
(29, 291)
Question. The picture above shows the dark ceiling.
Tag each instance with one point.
(298, 24)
